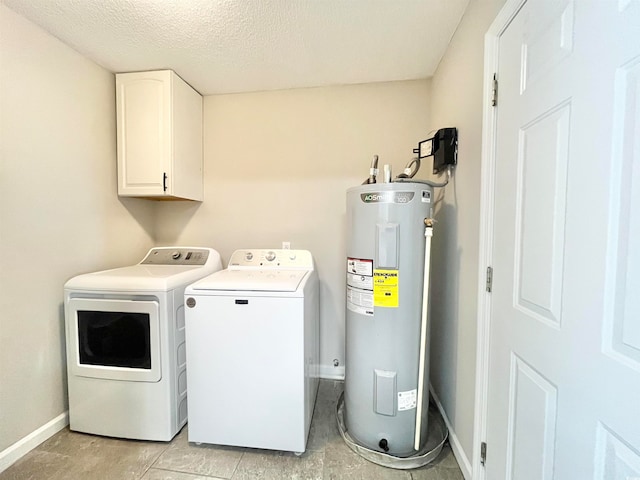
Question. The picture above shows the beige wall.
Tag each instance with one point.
(457, 101)
(59, 213)
(277, 167)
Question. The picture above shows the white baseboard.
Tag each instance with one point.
(458, 452)
(331, 373)
(23, 446)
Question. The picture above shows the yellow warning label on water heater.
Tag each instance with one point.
(385, 288)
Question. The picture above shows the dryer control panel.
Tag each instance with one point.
(176, 256)
(277, 259)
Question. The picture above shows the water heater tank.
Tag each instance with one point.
(385, 260)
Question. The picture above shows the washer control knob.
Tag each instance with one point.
(176, 255)
(270, 256)
(292, 256)
(248, 257)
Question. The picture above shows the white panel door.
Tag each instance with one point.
(564, 343)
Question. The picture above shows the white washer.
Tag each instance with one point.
(252, 350)
(126, 356)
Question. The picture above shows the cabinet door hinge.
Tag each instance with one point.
(494, 91)
(489, 283)
(483, 453)
(164, 181)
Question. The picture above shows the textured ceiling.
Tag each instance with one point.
(224, 46)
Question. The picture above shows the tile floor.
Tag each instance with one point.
(69, 456)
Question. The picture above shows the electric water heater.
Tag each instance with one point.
(386, 394)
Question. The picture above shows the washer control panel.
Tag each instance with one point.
(176, 256)
(277, 259)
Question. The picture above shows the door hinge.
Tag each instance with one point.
(494, 91)
(483, 453)
(164, 181)
(489, 283)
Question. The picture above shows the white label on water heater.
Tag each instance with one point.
(407, 400)
(360, 281)
(360, 266)
(360, 301)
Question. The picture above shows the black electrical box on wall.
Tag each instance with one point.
(445, 149)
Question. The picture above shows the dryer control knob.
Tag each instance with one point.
(176, 255)
(249, 256)
(270, 256)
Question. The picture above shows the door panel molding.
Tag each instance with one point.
(543, 158)
(532, 413)
(621, 335)
(614, 456)
(554, 35)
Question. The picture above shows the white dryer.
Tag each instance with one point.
(126, 356)
(252, 350)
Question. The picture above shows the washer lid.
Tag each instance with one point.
(252, 280)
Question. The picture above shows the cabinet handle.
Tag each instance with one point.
(164, 181)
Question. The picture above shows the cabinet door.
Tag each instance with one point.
(143, 132)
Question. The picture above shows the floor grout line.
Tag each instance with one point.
(235, 469)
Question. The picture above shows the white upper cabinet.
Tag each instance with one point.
(159, 134)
